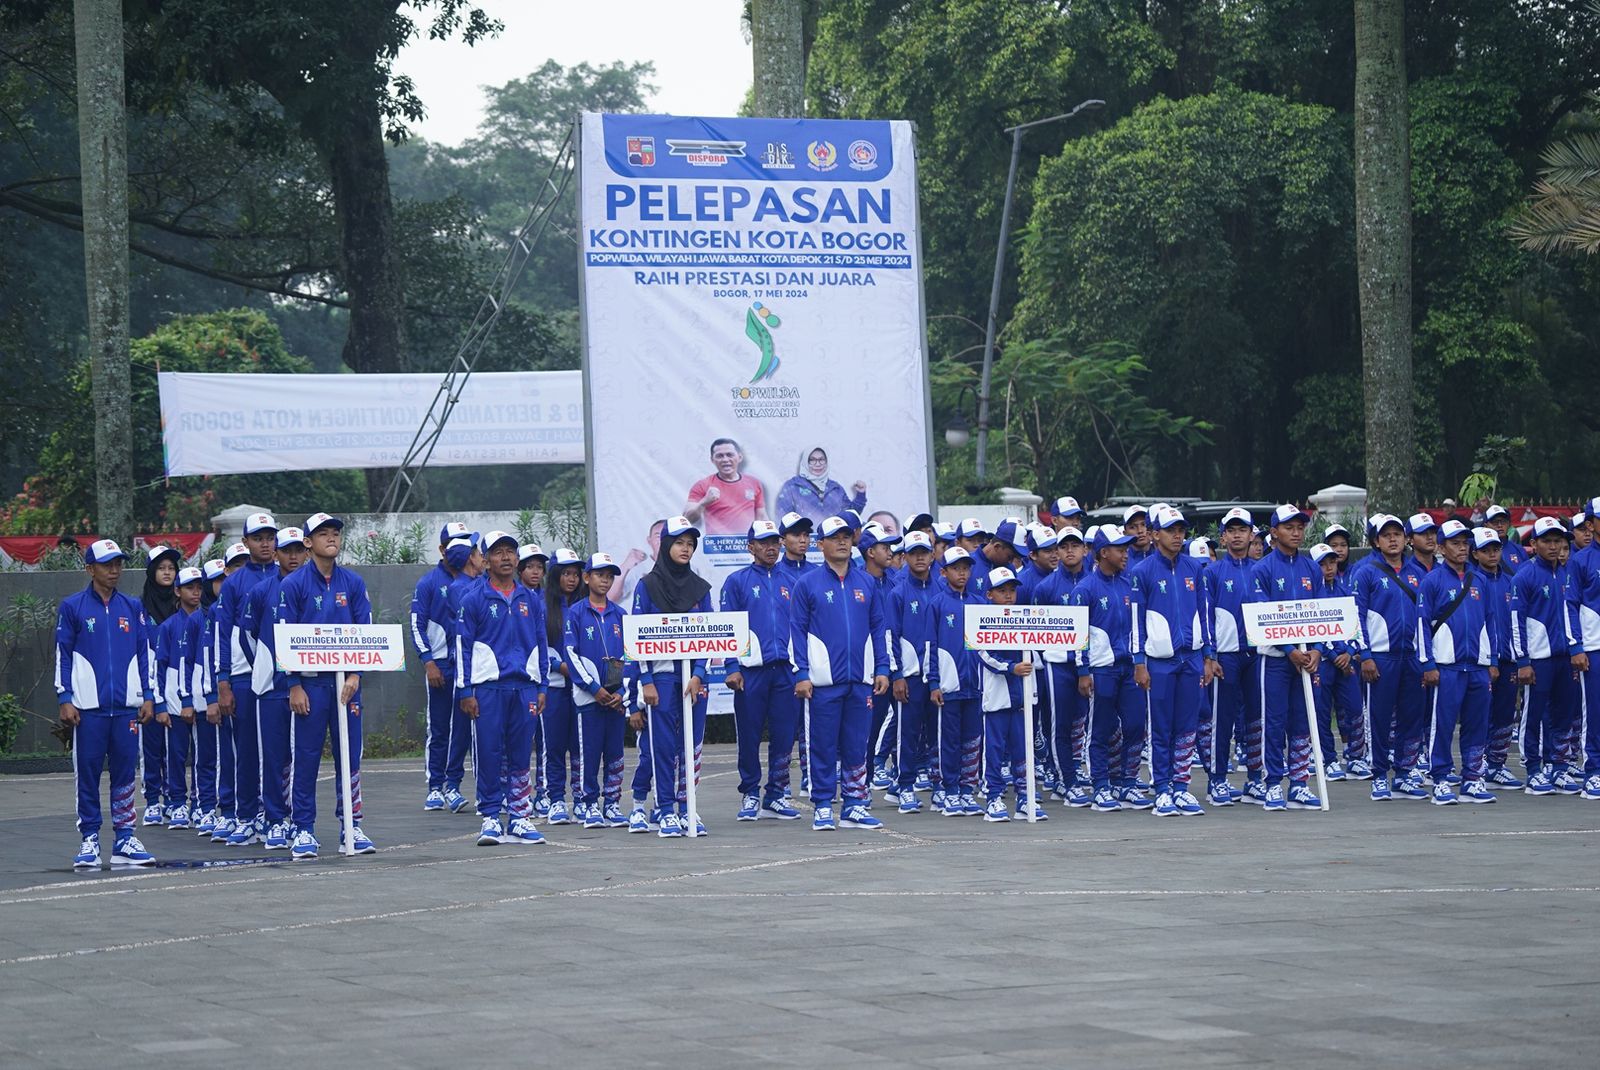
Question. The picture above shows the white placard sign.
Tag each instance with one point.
(1310, 620)
(1045, 628)
(340, 647)
(677, 636)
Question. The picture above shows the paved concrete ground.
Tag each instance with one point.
(1392, 934)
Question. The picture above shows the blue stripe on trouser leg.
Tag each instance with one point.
(1461, 700)
(666, 742)
(227, 769)
(602, 747)
(207, 751)
(1546, 712)
(642, 770)
(1173, 701)
(274, 719)
(1345, 694)
(960, 736)
(98, 740)
(559, 722)
(912, 733)
(1410, 716)
(440, 701)
(1116, 701)
(1004, 743)
(516, 762)
(1380, 704)
(311, 731)
(1285, 727)
(247, 752)
(496, 707)
(838, 725)
(766, 702)
(1502, 715)
(458, 742)
(154, 745)
(179, 735)
(1060, 688)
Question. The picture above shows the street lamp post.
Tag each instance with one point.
(999, 271)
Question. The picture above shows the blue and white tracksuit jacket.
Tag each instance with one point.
(1005, 739)
(1117, 705)
(1170, 634)
(766, 701)
(1280, 697)
(591, 636)
(1461, 648)
(1066, 712)
(1386, 612)
(1542, 637)
(262, 610)
(911, 620)
(500, 655)
(1232, 712)
(431, 621)
(236, 653)
(1584, 569)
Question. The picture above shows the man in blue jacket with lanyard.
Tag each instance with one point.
(1456, 652)
(501, 658)
(1229, 709)
(430, 637)
(105, 685)
(957, 688)
(324, 592)
(909, 608)
(236, 702)
(271, 686)
(1386, 614)
(1105, 676)
(1549, 657)
(1285, 573)
(839, 641)
(1494, 580)
(763, 680)
(1174, 658)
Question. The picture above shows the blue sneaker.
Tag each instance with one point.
(1134, 799)
(638, 820)
(881, 778)
(1409, 787)
(1591, 788)
(952, 806)
(558, 812)
(1164, 806)
(615, 818)
(1453, 779)
(1360, 769)
(305, 846)
(455, 800)
(1038, 810)
(924, 782)
(996, 810)
(1539, 784)
(1079, 796)
(130, 852)
(909, 803)
(1443, 795)
(207, 823)
(88, 856)
(1188, 805)
(244, 834)
(1105, 801)
(822, 820)
(1380, 790)
(1220, 794)
(1333, 771)
(892, 796)
(856, 816)
(363, 845)
(1273, 799)
(154, 814)
(541, 806)
(277, 837)
(178, 817)
(490, 832)
(970, 806)
(750, 808)
(1567, 782)
(222, 830)
(1501, 777)
(434, 801)
(781, 808)
(698, 825)
(1476, 791)
(670, 828)
(1255, 793)
(936, 802)
(1302, 798)
(524, 831)
(592, 817)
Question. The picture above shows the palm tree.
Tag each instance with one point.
(1563, 215)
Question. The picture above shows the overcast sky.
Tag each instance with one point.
(702, 61)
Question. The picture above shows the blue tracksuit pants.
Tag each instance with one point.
(101, 737)
(246, 752)
(1392, 714)
(179, 740)
(1339, 700)
(458, 741)
(600, 747)
(1174, 709)
(641, 769)
(667, 744)
(559, 726)
(227, 769)
(502, 748)
(1004, 745)
(277, 754)
(838, 721)
(1461, 699)
(913, 721)
(766, 703)
(310, 732)
(1547, 713)
(960, 744)
(1285, 724)
(153, 763)
(1225, 714)
(207, 757)
(1589, 719)
(1065, 719)
(1117, 708)
(439, 702)
(1503, 694)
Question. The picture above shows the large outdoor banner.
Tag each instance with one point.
(214, 424)
(753, 327)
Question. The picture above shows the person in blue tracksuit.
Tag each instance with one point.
(1066, 711)
(500, 658)
(1512, 557)
(1174, 657)
(1065, 512)
(957, 691)
(173, 658)
(1584, 569)
(464, 557)
(1136, 524)
(1455, 649)
(1338, 691)
(105, 687)
(603, 692)
(1006, 677)
(1494, 580)
(763, 680)
(910, 613)
(243, 823)
(532, 563)
(1228, 711)
(430, 638)
(839, 642)
(1386, 613)
(234, 559)
(877, 549)
(207, 749)
(160, 602)
(1283, 573)
(673, 586)
(274, 720)
(1006, 549)
(1105, 676)
(1043, 555)
(563, 588)
(1549, 659)
(1423, 533)
(322, 591)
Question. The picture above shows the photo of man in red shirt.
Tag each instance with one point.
(727, 501)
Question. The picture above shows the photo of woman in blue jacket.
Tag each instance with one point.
(813, 495)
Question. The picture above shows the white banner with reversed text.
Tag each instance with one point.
(340, 647)
(1043, 628)
(752, 328)
(216, 424)
(685, 636)
(1311, 620)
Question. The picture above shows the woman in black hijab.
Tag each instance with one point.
(672, 586)
(160, 602)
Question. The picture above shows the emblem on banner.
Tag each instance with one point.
(777, 157)
(642, 151)
(759, 323)
(823, 156)
(863, 155)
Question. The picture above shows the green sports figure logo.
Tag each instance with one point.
(759, 322)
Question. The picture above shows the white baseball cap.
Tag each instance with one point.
(259, 522)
